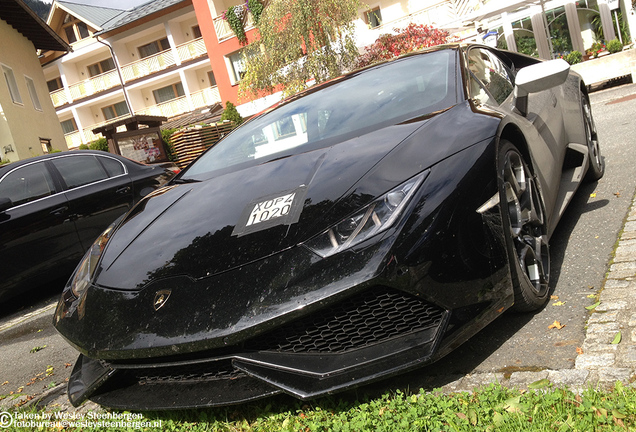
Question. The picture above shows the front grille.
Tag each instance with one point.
(373, 316)
(207, 371)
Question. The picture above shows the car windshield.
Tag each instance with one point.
(355, 105)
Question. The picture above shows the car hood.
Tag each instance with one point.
(210, 227)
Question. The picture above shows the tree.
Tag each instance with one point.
(411, 38)
(298, 41)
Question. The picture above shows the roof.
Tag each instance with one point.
(139, 12)
(19, 16)
(96, 15)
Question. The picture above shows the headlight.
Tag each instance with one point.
(86, 269)
(369, 221)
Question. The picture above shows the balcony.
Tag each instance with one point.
(75, 139)
(148, 65)
(96, 84)
(223, 29)
(205, 97)
(59, 97)
(192, 50)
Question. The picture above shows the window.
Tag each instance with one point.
(196, 32)
(75, 29)
(101, 67)
(27, 183)
(46, 145)
(12, 84)
(212, 79)
(167, 93)
(68, 126)
(54, 84)
(116, 110)
(490, 78)
(34, 94)
(79, 170)
(113, 167)
(153, 48)
(237, 65)
(374, 17)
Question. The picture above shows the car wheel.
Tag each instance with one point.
(525, 228)
(596, 168)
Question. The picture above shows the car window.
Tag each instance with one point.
(359, 103)
(79, 170)
(113, 167)
(27, 183)
(490, 78)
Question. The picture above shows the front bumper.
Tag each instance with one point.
(373, 334)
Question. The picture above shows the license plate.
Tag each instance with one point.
(271, 209)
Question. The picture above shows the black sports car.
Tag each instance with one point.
(365, 227)
(53, 207)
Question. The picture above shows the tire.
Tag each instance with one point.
(596, 167)
(524, 221)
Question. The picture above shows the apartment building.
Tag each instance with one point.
(224, 49)
(148, 60)
(28, 124)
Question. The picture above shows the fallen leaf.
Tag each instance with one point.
(591, 296)
(617, 414)
(592, 307)
(593, 195)
(539, 384)
(579, 350)
(554, 297)
(556, 325)
(617, 338)
(5, 383)
(559, 303)
(617, 194)
(68, 365)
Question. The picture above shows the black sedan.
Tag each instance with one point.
(365, 227)
(53, 207)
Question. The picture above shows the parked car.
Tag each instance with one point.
(365, 227)
(53, 207)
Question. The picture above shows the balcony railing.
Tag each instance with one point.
(148, 65)
(96, 84)
(191, 50)
(167, 109)
(205, 97)
(223, 29)
(59, 97)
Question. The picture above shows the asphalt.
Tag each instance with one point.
(607, 355)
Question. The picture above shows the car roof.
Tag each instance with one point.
(31, 160)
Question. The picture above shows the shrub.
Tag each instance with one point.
(614, 46)
(99, 144)
(83, 147)
(231, 113)
(574, 57)
(166, 135)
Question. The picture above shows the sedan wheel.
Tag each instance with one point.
(525, 226)
(597, 165)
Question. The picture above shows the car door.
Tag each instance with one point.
(98, 190)
(38, 241)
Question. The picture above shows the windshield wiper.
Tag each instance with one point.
(185, 180)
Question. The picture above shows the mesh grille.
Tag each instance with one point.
(373, 316)
(209, 371)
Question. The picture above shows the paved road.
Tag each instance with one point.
(581, 249)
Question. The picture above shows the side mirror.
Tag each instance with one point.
(5, 204)
(538, 77)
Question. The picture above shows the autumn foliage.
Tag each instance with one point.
(411, 38)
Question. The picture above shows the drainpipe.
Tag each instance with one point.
(121, 79)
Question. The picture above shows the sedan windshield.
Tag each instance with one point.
(351, 106)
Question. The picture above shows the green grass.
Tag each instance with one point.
(493, 408)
